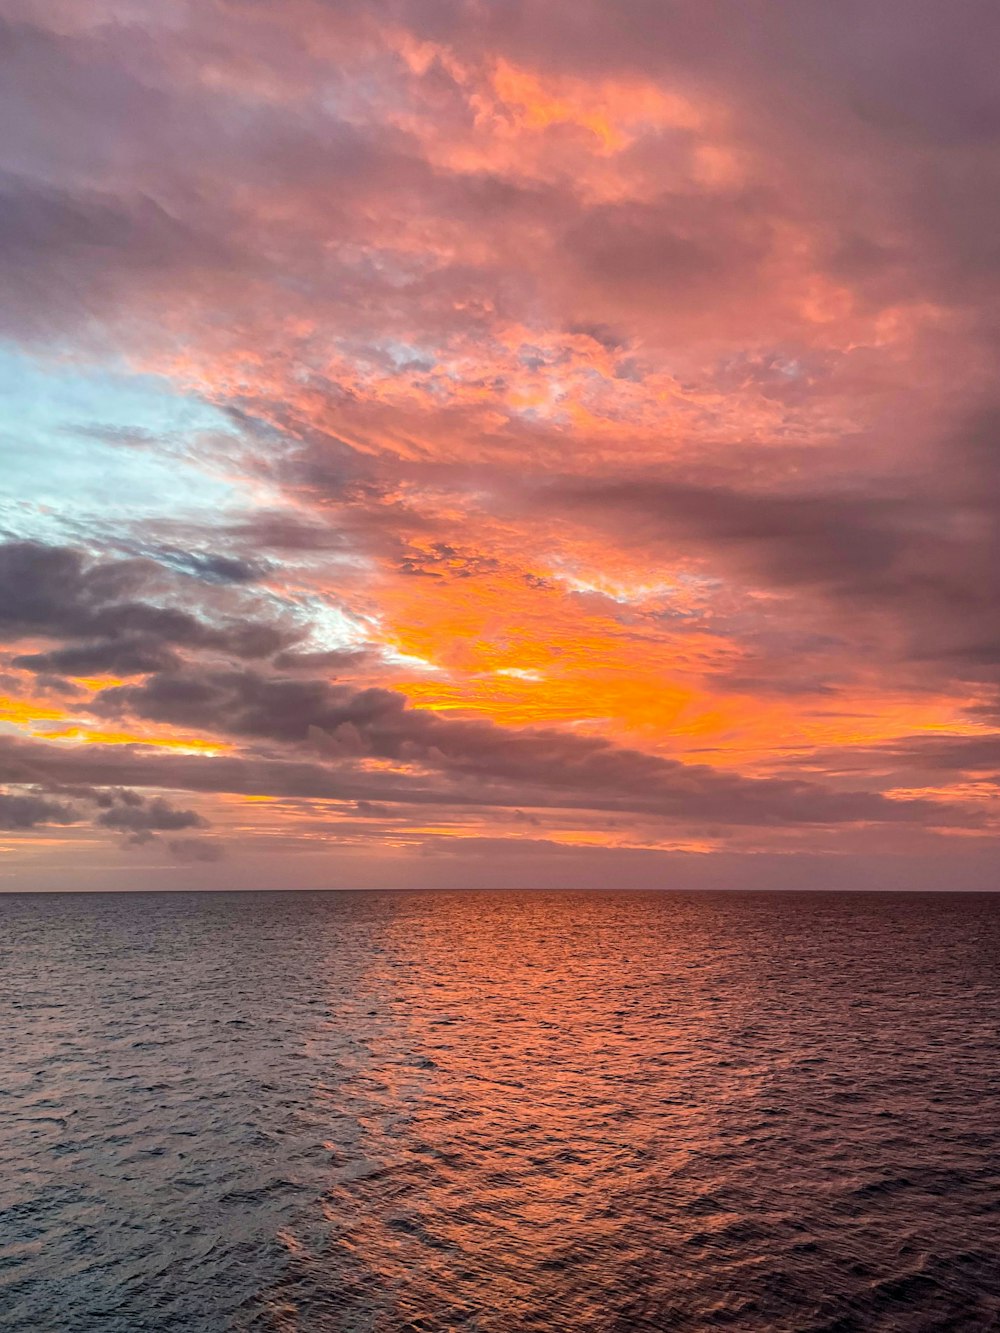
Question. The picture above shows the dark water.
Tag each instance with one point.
(499, 1112)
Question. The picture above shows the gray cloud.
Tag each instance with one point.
(56, 592)
(528, 766)
(119, 657)
(139, 819)
(45, 798)
(25, 810)
(918, 552)
(195, 849)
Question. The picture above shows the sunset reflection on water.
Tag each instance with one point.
(302, 1113)
(606, 1112)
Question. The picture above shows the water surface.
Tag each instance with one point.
(505, 1111)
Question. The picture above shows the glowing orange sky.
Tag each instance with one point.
(498, 444)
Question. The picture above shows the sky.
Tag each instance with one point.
(486, 443)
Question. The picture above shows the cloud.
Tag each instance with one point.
(121, 657)
(917, 552)
(503, 765)
(57, 592)
(216, 568)
(23, 810)
(607, 400)
(195, 850)
(139, 819)
(338, 741)
(50, 236)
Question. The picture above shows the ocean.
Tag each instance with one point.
(499, 1111)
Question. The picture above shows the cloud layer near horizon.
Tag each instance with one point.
(461, 435)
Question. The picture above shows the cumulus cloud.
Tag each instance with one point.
(24, 810)
(139, 820)
(43, 798)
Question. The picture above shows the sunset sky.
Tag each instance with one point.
(499, 442)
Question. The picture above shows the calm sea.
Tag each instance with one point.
(370, 1111)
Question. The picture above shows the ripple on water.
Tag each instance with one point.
(496, 1112)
